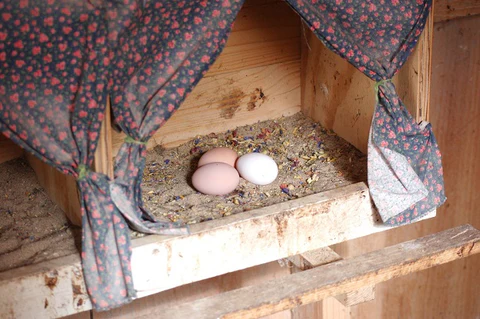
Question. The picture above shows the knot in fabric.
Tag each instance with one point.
(378, 84)
(131, 140)
(82, 171)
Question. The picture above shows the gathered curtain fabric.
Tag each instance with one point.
(60, 61)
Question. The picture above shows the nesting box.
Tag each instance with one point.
(272, 66)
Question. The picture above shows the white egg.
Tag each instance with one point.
(257, 168)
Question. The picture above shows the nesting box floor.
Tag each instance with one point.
(311, 159)
(32, 228)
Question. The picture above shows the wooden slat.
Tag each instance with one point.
(326, 255)
(451, 9)
(341, 98)
(61, 188)
(161, 263)
(263, 34)
(221, 102)
(205, 288)
(332, 279)
(8, 149)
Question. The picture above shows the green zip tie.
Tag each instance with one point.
(131, 140)
(380, 83)
(82, 171)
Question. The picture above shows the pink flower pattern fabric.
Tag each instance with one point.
(61, 59)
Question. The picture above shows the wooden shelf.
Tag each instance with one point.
(56, 288)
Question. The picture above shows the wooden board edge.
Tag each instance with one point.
(160, 263)
(335, 278)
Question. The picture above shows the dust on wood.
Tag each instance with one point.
(310, 159)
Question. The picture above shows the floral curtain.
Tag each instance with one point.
(60, 60)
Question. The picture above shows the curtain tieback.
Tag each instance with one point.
(82, 171)
(131, 140)
(378, 84)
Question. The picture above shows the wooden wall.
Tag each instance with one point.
(451, 290)
(256, 78)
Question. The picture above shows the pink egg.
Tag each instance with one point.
(219, 155)
(215, 179)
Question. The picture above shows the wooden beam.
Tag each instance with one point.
(326, 255)
(333, 279)
(451, 9)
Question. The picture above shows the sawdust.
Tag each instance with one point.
(32, 228)
(310, 158)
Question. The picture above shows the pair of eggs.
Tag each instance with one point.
(219, 171)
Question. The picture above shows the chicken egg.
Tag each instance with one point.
(219, 155)
(215, 179)
(257, 168)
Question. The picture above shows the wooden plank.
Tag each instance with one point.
(357, 297)
(317, 258)
(452, 9)
(263, 34)
(229, 100)
(205, 288)
(61, 188)
(51, 289)
(341, 98)
(8, 149)
(455, 117)
(338, 277)
(160, 262)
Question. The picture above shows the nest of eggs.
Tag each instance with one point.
(310, 160)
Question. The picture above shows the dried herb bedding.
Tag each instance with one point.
(32, 228)
(310, 158)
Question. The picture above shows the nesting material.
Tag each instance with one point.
(310, 160)
(32, 228)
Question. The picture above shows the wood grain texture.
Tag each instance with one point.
(61, 188)
(341, 98)
(221, 102)
(160, 263)
(198, 290)
(103, 162)
(8, 149)
(455, 117)
(451, 9)
(332, 279)
(264, 33)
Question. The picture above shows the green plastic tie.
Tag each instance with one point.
(82, 171)
(378, 84)
(131, 140)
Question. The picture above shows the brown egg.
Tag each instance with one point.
(219, 155)
(215, 179)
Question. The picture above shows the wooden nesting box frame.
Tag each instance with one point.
(272, 66)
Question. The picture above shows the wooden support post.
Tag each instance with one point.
(333, 279)
(327, 308)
